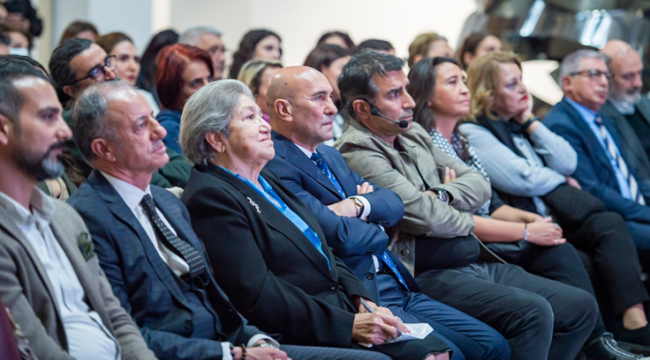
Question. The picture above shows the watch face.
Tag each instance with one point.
(443, 196)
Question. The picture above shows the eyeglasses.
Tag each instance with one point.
(593, 74)
(98, 73)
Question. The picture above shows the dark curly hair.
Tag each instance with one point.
(247, 49)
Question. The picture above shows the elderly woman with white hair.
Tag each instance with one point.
(267, 250)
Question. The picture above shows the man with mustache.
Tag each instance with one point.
(57, 294)
(604, 167)
(626, 107)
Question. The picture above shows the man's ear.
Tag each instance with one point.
(6, 129)
(103, 149)
(70, 90)
(566, 84)
(284, 109)
(216, 141)
(362, 109)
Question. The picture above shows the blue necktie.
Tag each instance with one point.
(326, 170)
(391, 265)
(631, 181)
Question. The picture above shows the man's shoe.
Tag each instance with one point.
(636, 341)
(606, 348)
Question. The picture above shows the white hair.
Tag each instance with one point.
(192, 35)
(572, 62)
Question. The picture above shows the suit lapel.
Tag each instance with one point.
(13, 230)
(339, 171)
(118, 207)
(644, 108)
(590, 137)
(275, 219)
(290, 152)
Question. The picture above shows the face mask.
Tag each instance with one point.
(19, 51)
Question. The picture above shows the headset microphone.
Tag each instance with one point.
(402, 123)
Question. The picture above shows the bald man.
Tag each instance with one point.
(353, 212)
(629, 111)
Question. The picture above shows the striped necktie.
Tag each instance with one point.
(315, 157)
(173, 242)
(611, 148)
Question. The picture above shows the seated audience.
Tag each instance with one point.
(329, 60)
(20, 43)
(77, 64)
(269, 253)
(377, 45)
(442, 98)
(256, 74)
(602, 165)
(256, 44)
(428, 45)
(476, 45)
(208, 39)
(338, 38)
(144, 241)
(626, 107)
(127, 69)
(353, 213)
(22, 16)
(149, 61)
(434, 237)
(79, 29)
(57, 294)
(182, 71)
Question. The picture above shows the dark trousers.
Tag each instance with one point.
(325, 353)
(641, 235)
(469, 338)
(540, 318)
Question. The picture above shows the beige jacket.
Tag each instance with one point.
(409, 173)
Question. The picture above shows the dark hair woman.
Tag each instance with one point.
(337, 38)
(256, 44)
(149, 61)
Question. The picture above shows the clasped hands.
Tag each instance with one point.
(347, 207)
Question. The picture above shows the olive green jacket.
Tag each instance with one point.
(409, 173)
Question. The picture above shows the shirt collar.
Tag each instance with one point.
(307, 153)
(587, 114)
(131, 194)
(39, 202)
(624, 107)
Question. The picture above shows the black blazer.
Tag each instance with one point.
(270, 270)
(145, 285)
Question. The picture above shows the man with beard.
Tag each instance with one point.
(627, 109)
(57, 294)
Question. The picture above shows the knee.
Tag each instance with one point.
(537, 314)
(581, 311)
(498, 348)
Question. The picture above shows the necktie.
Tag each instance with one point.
(173, 242)
(634, 187)
(326, 170)
(391, 265)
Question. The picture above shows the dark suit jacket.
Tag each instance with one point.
(353, 240)
(145, 285)
(637, 157)
(26, 289)
(594, 171)
(275, 276)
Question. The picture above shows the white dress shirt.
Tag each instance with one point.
(87, 336)
(132, 196)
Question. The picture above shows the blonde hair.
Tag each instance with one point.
(482, 80)
(420, 46)
(251, 72)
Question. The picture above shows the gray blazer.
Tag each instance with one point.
(636, 155)
(25, 288)
(409, 173)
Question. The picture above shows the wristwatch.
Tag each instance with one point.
(526, 232)
(443, 196)
(265, 344)
(358, 203)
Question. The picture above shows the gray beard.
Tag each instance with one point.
(40, 167)
(624, 96)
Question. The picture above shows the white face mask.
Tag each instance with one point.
(19, 51)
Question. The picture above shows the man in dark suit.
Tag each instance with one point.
(603, 167)
(144, 240)
(628, 109)
(353, 212)
(58, 295)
